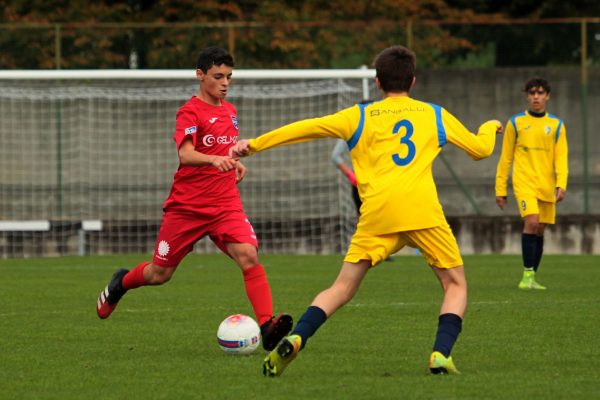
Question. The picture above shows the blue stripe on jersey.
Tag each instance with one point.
(440, 125)
(513, 120)
(560, 122)
(359, 129)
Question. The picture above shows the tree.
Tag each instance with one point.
(286, 33)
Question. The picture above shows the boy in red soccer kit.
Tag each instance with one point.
(204, 200)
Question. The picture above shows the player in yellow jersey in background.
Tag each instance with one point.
(392, 143)
(536, 142)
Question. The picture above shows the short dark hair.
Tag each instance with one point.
(213, 55)
(395, 68)
(537, 82)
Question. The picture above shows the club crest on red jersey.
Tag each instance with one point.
(163, 249)
(235, 122)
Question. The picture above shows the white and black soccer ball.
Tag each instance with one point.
(238, 334)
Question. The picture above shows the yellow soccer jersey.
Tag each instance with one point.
(538, 147)
(393, 144)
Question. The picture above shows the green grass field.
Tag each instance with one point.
(161, 341)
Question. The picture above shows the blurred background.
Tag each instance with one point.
(86, 162)
(156, 34)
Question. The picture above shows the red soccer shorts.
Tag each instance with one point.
(180, 230)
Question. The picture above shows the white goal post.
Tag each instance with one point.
(97, 145)
(185, 74)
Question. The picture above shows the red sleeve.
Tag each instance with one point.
(186, 126)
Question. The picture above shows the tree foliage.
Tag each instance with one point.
(277, 34)
(530, 43)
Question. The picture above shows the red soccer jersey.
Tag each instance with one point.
(213, 130)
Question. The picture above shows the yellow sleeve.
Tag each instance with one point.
(561, 159)
(339, 125)
(477, 146)
(506, 159)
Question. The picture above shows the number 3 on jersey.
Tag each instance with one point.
(402, 161)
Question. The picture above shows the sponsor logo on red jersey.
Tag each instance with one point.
(210, 140)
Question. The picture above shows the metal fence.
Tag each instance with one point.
(322, 44)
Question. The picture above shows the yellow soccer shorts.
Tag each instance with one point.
(531, 205)
(438, 246)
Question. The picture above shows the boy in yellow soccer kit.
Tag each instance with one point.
(392, 144)
(536, 142)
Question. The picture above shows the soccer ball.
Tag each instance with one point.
(238, 334)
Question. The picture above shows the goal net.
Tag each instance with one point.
(87, 163)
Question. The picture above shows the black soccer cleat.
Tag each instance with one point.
(275, 329)
(110, 296)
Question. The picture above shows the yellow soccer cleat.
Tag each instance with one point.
(527, 280)
(535, 285)
(440, 365)
(285, 352)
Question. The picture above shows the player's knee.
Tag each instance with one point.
(452, 279)
(458, 282)
(532, 224)
(246, 256)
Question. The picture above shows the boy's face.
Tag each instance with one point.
(215, 82)
(537, 98)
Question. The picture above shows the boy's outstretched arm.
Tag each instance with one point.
(477, 146)
(339, 125)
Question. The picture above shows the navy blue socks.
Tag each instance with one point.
(309, 322)
(529, 249)
(449, 326)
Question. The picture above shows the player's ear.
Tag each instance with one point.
(199, 75)
(412, 85)
(377, 83)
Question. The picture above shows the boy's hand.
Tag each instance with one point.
(240, 149)
(240, 172)
(560, 194)
(223, 163)
(499, 127)
(501, 201)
